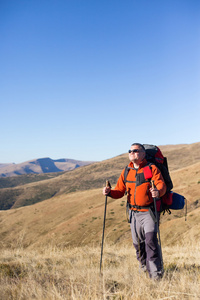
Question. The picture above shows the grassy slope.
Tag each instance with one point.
(88, 177)
(76, 219)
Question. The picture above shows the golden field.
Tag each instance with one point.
(51, 273)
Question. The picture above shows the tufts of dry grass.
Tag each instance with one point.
(58, 274)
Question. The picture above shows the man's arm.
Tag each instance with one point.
(118, 191)
(160, 186)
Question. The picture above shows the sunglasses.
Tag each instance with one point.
(134, 151)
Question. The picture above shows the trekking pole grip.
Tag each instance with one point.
(152, 184)
(108, 183)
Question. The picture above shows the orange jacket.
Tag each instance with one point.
(138, 194)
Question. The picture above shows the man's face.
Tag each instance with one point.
(137, 155)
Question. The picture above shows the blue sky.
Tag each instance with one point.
(84, 79)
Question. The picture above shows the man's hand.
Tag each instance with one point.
(106, 190)
(154, 192)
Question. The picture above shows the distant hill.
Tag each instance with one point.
(41, 166)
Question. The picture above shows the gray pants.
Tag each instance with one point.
(145, 241)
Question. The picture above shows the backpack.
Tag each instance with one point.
(170, 200)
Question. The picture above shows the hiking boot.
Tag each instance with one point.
(158, 276)
(143, 268)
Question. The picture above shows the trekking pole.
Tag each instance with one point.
(104, 221)
(157, 221)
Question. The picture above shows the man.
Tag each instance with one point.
(140, 196)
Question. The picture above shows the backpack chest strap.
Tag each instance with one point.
(140, 178)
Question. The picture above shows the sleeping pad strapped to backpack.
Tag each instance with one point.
(170, 200)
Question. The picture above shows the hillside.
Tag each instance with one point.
(40, 166)
(74, 215)
(83, 178)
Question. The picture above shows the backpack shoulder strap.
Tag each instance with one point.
(148, 171)
(126, 170)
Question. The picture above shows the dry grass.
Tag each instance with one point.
(53, 273)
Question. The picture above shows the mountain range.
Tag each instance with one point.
(40, 166)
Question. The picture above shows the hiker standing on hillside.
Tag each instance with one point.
(140, 196)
